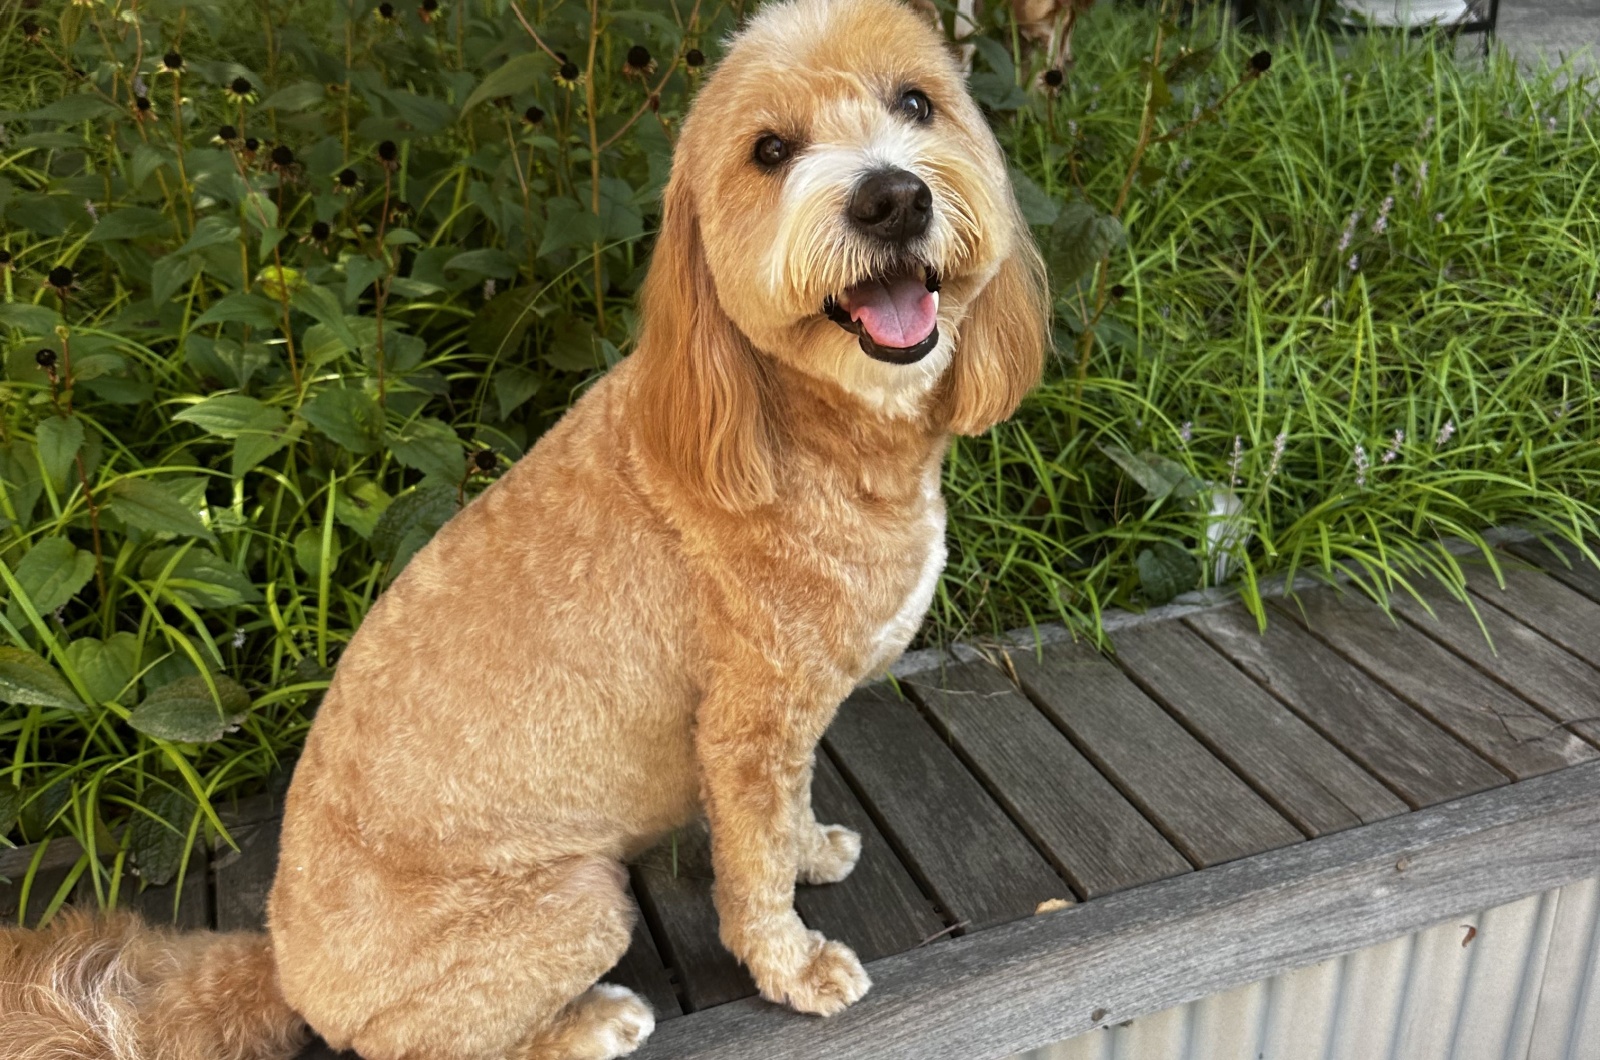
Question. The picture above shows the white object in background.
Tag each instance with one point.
(1409, 12)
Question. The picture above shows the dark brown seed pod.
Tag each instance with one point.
(45, 359)
(1261, 62)
(61, 277)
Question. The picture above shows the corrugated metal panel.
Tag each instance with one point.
(1517, 982)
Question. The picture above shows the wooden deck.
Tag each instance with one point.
(1217, 805)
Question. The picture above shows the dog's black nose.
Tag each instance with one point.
(892, 205)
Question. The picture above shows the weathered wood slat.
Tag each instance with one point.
(1567, 688)
(1508, 731)
(641, 971)
(1308, 779)
(1129, 954)
(1206, 811)
(1564, 562)
(1419, 760)
(963, 847)
(1092, 835)
(673, 885)
(155, 904)
(1544, 603)
(877, 910)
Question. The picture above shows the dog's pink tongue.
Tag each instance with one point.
(895, 314)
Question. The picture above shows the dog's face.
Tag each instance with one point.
(851, 198)
(838, 202)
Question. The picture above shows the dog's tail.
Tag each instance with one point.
(111, 988)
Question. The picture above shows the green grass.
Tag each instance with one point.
(194, 528)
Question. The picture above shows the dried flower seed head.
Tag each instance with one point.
(386, 12)
(532, 116)
(61, 278)
(45, 359)
(639, 63)
(320, 231)
(430, 6)
(427, 11)
(399, 211)
(347, 181)
(251, 144)
(569, 76)
(485, 460)
(282, 156)
(32, 32)
(227, 134)
(171, 63)
(694, 58)
(1053, 78)
(1260, 63)
(389, 154)
(141, 104)
(5, 259)
(240, 90)
(1118, 290)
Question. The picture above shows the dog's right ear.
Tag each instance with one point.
(702, 392)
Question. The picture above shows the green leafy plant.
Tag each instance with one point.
(285, 284)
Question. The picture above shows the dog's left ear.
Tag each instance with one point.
(1000, 346)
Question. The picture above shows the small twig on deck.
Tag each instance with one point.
(957, 926)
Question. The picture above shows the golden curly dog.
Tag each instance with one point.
(654, 614)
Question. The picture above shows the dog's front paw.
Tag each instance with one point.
(831, 854)
(827, 977)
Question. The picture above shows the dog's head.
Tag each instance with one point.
(837, 202)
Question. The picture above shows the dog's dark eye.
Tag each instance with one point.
(771, 150)
(915, 105)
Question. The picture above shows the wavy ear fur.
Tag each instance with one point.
(1000, 347)
(702, 390)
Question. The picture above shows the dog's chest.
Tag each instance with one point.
(914, 578)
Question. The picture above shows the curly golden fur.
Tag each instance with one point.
(654, 615)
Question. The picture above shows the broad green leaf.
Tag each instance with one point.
(1078, 239)
(301, 95)
(517, 74)
(19, 475)
(59, 438)
(25, 316)
(147, 158)
(504, 319)
(210, 232)
(151, 506)
(309, 555)
(431, 446)
(1165, 570)
(1159, 475)
(169, 274)
(350, 417)
(323, 306)
(249, 309)
(359, 504)
(360, 273)
(490, 261)
(513, 386)
(105, 666)
(156, 842)
(10, 807)
(230, 415)
(28, 680)
(1037, 207)
(75, 108)
(254, 446)
(200, 577)
(410, 522)
(183, 711)
(131, 222)
(570, 224)
(51, 573)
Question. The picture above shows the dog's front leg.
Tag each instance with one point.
(754, 747)
(827, 851)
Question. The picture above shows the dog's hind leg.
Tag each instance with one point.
(606, 1022)
(507, 964)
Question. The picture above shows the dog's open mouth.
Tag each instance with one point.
(895, 317)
